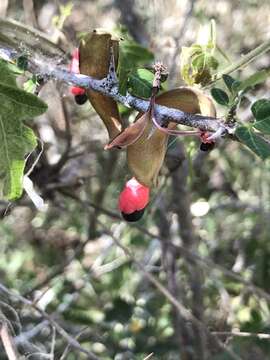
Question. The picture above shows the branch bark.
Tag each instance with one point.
(181, 204)
(109, 87)
(169, 259)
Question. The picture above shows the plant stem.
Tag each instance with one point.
(246, 59)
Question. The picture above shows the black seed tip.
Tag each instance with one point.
(135, 216)
(80, 99)
(207, 146)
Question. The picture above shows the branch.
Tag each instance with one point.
(234, 333)
(8, 342)
(245, 60)
(71, 341)
(183, 251)
(183, 311)
(148, 356)
(109, 87)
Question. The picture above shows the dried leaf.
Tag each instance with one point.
(94, 61)
(131, 134)
(145, 157)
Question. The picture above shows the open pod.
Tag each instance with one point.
(95, 56)
(145, 157)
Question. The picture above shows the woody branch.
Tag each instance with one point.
(109, 86)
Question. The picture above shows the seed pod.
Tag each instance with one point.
(95, 56)
(145, 157)
(130, 134)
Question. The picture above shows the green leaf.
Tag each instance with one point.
(141, 82)
(202, 61)
(198, 61)
(211, 62)
(188, 54)
(230, 82)
(20, 103)
(202, 65)
(31, 84)
(123, 110)
(131, 56)
(220, 96)
(196, 65)
(7, 73)
(254, 142)
(253, 80)
(16, 140)
(261, 109)
(261, 112)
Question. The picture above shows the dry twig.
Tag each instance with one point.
(8, 342)
(71, 341)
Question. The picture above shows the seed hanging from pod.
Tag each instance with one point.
(206, 145)
(133, 200)
(145, 157)
(78, 92)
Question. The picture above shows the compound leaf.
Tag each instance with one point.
(255, 143)
(16, 139)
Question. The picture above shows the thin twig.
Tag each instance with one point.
(66, 351)
(209, 264)
(30, 334)
(148, 356)
(169, 259)
(245, 60)
(183, 311)
(260, 336)
(53, 343)
(183, 251)
(8, 342)
(58, 270)
(73, 342)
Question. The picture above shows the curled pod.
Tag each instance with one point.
(146, 156)
(95, 53)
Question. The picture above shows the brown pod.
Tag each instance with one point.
(94, 53)
(130, 134)
(145, 157)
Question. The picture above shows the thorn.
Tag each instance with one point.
(112, 72)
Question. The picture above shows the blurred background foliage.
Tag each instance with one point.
(215, 204)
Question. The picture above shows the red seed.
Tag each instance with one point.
(75, 90)
(134, 197)
(74, 67)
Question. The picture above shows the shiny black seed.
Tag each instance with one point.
(135, 216)
(81, 99)
(207, 146)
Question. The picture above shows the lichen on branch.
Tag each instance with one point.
(109, 86)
